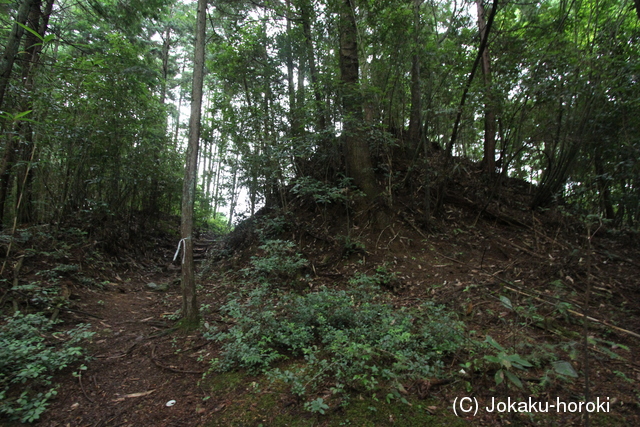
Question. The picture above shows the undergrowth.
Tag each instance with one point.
(349, 340)
(30, 353)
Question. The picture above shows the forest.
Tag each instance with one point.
(319, 212)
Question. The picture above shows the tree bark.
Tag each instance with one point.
(604, 189)
(294, 116)
(190, 314)
(483, 44)
(6, 66)
(358, 157)
(166, 45)
(13, 45)
(415, 122)
(489, 159)
(305, 13)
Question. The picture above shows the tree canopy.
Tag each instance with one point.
(346, 93)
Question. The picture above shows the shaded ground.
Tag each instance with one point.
(135, 370)
(523, 278)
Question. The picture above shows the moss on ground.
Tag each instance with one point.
(247, 403)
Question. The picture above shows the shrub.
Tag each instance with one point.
(349, 340)
(279, 262)
(28, 361)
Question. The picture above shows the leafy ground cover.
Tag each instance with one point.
(308, 320)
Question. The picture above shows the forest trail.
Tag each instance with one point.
(137, 365)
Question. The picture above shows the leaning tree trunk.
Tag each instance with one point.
(190, 314)
(474, 67)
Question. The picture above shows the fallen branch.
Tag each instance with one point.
(132, 395)
(575, 313)
(169, 368)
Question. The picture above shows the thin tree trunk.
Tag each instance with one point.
(190, 314)
(177, 129)
(234, 181)
(483, 44)
(603, 186)
(217, 186)
(166, 45)
(305, 12)
(489, 159)
(212, 155)
(294, 121)
(416, 94)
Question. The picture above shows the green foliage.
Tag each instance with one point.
(28, 361)
(321, 192)
(351, 246)
(348, 339)
(217, 223)
(316, 406)
(506, 362)
(279, 262)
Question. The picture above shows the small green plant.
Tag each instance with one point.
(382, 277)
(42, 294)
(89, 282)
(177, 315)
(351, 246)
(316, 406)
(506, 362)
(28, 360)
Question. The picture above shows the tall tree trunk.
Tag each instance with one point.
(294, 121)
(216, 193)
(166, 45)
(150, 200)
(305, 14)
(415, 122)
(190, 314)
(177, 128)
(489, 159)
(213, 153)
(5, 172)
(465, 92)
(13, 45)
(234, 198)
(6, 67)
(357, 154)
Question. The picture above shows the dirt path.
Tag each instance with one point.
(137, 365)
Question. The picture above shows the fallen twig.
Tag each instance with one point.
(169, 368)
(82, 388)
(575, 313)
